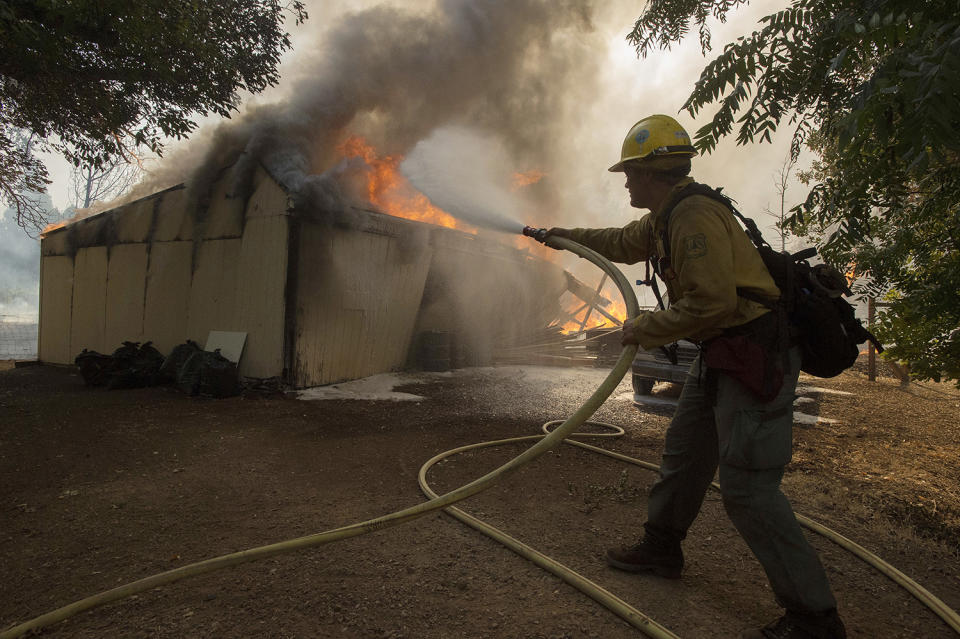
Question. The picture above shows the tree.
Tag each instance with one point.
(22, 176)
(99, 184)
(782, 185)
(91, 79)
(873, 87)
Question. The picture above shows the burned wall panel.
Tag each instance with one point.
(268, 197)
(486, 295)
(88, 315)
(126, 280)
(261, 273)
(173, 218)
(167, 294)
(213, 290)
(358, 296)
(134, 221)
(56, 296)
(223, 217)
(55, 243)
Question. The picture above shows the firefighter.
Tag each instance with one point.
(736, 409)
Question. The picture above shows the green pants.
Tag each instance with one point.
(751, 443)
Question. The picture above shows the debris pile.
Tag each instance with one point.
(135, 365)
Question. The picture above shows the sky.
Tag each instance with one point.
(593, 91)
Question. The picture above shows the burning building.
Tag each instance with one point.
(276, 247)
(323, 295)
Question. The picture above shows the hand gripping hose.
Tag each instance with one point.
(568, 427)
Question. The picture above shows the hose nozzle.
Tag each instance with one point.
(539, 235)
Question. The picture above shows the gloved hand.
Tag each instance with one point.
(630, 335)
(542, 235)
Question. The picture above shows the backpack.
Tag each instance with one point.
(811, 299)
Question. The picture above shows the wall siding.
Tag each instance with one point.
(261, 274)
(126, 282)
(56, 308)
(358, 294)
(89, 300)
(213, 290)
(167, 294)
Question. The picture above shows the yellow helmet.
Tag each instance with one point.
(655, 136)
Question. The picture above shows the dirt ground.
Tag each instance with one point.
(100, 488)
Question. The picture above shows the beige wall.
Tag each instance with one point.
(213, 289)
(126, 284)
(167, 294)
(56, 303)
(364, 285)
(154, 283)
(88, 319)
(358, 295)
(261, 295)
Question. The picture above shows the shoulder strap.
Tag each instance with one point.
(695, 188)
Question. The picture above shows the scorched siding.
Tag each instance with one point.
(167, 295)
(260, 294)
(358, 294)
(88, 318)
(213, 290)
(126, 281)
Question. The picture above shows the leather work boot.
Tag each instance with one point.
(645, 556)
(801, 626)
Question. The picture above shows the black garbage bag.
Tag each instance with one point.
(94, 367)
(135, 366)
(209, 374)
(172, 364)
(131, 366)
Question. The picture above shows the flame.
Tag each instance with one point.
(527, 178)
(49, 228)
(574, 305)
(390, 191)
(851, 275)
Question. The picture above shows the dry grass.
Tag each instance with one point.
(893, 454)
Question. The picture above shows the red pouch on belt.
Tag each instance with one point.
(747, 362)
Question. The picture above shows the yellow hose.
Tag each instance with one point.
(593, 590)
(935, 604)
(631, 615)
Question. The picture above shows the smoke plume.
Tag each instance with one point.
(511, 70)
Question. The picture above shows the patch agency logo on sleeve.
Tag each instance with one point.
(695, 246)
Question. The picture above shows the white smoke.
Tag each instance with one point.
(468, 176)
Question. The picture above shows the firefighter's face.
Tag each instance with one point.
(638, 185)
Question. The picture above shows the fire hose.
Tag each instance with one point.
(545, 443)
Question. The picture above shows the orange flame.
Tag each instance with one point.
(527, 178)
(575, 307)
(851, 275)
(52, 227)
(391, 192)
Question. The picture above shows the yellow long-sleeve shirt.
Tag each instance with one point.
(710, 254)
